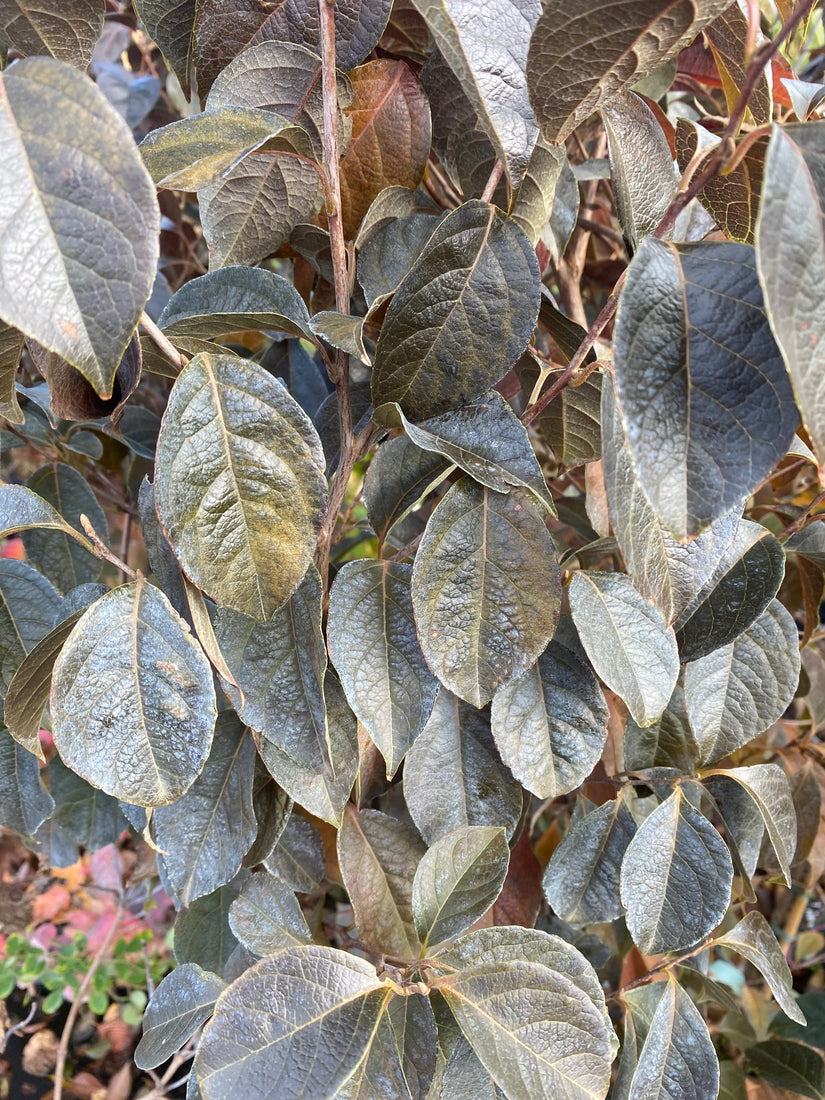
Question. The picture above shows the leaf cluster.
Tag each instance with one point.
(413, 444)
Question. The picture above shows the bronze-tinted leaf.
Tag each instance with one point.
(55, 553)
(727, 37)
(11, 344)
(74, 183)
(485, 589)
(579, 59)
(461, 317)
(240, 499)
(65, 29)
(390, 139)
(171, 23)
(133, 703)
(73, 397)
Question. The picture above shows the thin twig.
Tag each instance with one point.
(125, 539)
(18, 1026)
(163, 342)
(101, 550)
(85, 985)
(807, 517)
(492, 183)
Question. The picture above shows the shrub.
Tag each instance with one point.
(455, 679)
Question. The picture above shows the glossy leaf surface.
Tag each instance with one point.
(266, 916)
(179, 1005)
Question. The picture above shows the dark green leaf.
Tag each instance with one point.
(570, 424)
(676, 878)
(63, 561)
(65, 29)
(488, 441)
(373, 643)
(179, 1005)
(753, 939)
(486, 47)
(581, 882)
(641, 165)
(478, 279)
(550, 725)
(194, 151)
(133, 703)
(667, 572)
(770, 790)
(399, 476)
(224, 29)
(627, 641)
(705, 400)
(21, 510)
(266, 916)
(232, 299)
(813, 1006)
(90, 817)
(302, 373)
(485, 589)
(240, 499)
(506, 976)
(791, 257)
(298, 857)
(206, 832)
(28, 608)
(457, 881)
(386, 257)
(202, 932)
(95, 189)
(401, 1060)
(667, 743)
(24, 801)
(736, 692)
(303, 1018)
(378, 857)
(793, 1066)
(743, 583)
(676, 1054)
(341, 331)
(170, 24)
(306, 737)
(453, 776)
(11, 345)
(29, 689)
(272, 807)
(465, 1078)
(606, 47)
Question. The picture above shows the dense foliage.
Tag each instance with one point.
(413, 450)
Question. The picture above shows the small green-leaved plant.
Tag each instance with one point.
(415, 442)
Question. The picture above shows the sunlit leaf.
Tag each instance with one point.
(73, 178)
(533, 200)
(753, 939)
(484, 589)
(768, 787)
(133, 704)
(550, 724)
(378, 856)
(402, 1056)
(478, 279)
(675, 1053)
(206, 832)
(486, 47)
(239, 499)
(303, 1018)
(578, 60)
(582, 879)
(706, 403)
(22, 510)
(11, 345)
(170, 23)
(179, 1005)
(506, 976)
(627, 641)
(676, 878)
(727, 37)
(457, 881)
(453, 775)
(736, 692)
